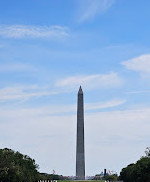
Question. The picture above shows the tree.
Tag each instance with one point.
(139, 172)
(147, 152)
(143, 169)
(112, 177)
(16, 167)
(45, 176)
(128, 174)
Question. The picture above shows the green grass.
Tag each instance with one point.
(81, 181)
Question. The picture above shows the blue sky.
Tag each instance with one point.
(47, 50)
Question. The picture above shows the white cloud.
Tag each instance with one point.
(138, 92)
(90, 8)
(140, 64)
(115, 135)
(51, 140)
(23, 31)
(22, 93)
(63, 109)
(9, 67)
(103, 105)
(90, 81)
(42, 131)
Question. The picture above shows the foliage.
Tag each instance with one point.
(111, 177)
(147, 152)
(139, 172)
(16, 167)
(45, 176)
(97, 177)
(108, 177)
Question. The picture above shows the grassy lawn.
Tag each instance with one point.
(83, 181)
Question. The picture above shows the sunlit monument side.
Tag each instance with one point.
(80, 157)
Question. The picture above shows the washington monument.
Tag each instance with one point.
(80, 158)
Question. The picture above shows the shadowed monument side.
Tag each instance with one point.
(80, 157)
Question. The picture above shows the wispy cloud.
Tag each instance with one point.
(13, 67)
(90, 81)
(28, 31)
(138, 92)
(23, 93)
(55, 110)
(140, 64)
(90, 8)
(103, 105)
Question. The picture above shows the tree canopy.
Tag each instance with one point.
(138, 172)
(16, 167)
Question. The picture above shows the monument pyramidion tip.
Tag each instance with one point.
(80, 90)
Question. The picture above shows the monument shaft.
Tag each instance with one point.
(80, 158)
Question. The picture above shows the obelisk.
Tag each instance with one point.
(80, 158)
